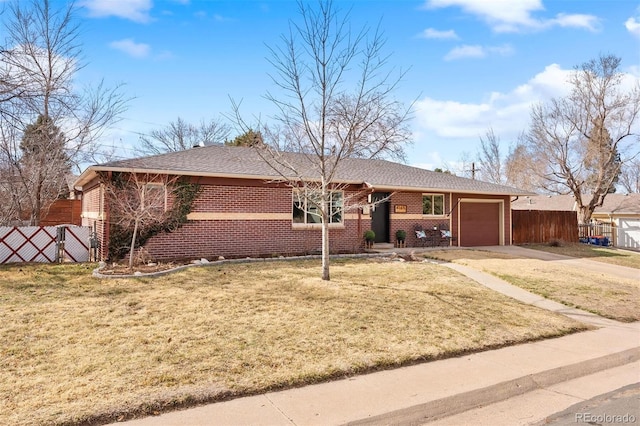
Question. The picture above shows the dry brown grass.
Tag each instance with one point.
(601, 254)
(74, 349)
(611, 297)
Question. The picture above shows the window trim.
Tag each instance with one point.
(432, 195)
(316, 225)
(150, 185)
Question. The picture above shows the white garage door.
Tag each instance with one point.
(629, 233)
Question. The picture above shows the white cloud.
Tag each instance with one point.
(633, 26)
(515, 16)
(477, 51)
(432, 33)
(465, 51)
(587, 22)
(134, 10)
(131, 48)
(506, 113)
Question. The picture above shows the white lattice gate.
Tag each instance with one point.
(44, 244)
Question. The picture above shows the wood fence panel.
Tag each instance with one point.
(542, 226)
(63, 212)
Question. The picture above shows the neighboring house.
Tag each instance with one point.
(621, 211)
(243, 208)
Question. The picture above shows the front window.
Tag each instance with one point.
(306, 207)
(433, 204)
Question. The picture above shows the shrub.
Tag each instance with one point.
(369, 235)
(401, 235)
(555, 243)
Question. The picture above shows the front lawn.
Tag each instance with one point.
(77, 349)
(607, 296)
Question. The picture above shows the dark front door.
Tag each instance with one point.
(380, 217)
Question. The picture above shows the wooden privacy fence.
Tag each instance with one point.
(66, 212)
(542, 226)
(46, 244)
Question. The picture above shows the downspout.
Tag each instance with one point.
(107, 220)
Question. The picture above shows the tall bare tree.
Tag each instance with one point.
(519, 169)
(179, 135)
(490, 159)
(40, 58)
(581, 141)
(630, 176)
(335, 101)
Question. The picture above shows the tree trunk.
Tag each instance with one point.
(325, 251)
(133, 244)
(325, 232)
(584, 215)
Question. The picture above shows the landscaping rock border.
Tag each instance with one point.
(201, 262)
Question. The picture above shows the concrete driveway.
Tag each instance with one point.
(591, 265)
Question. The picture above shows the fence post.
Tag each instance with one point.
(60, 236)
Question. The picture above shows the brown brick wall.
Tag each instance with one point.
(248, 238)
(243, 199)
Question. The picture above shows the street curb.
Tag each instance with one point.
(455, 404)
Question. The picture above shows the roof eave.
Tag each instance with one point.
(92, 171)
(459, 191)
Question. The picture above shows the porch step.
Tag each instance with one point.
(382, 246)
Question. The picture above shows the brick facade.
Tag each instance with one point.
(241, 229)
(251, 218)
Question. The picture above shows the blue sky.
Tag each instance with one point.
(472, 64)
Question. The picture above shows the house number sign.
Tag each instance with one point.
(400, 208)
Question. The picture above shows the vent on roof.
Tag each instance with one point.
(199, 145)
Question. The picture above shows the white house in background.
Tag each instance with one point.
(622, 211)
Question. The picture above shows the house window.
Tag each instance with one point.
(154, 197)
(306, 207)
(433, 204)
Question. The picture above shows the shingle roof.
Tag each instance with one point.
(245, 162)
(613, 203)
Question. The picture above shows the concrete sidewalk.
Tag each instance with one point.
(434, 390)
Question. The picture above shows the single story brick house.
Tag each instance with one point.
(620, 211)
(243, 209)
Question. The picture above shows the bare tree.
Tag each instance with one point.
(137, 202)
(581, 141)
(38, 64)
(334, 102)
(520, 170)
(629, 178)
(489, 158)
(179, 135)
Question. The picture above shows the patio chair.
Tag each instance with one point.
(421, 235)
(445, 235)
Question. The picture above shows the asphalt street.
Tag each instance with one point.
(619, 407)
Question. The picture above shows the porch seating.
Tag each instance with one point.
(438, 236)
